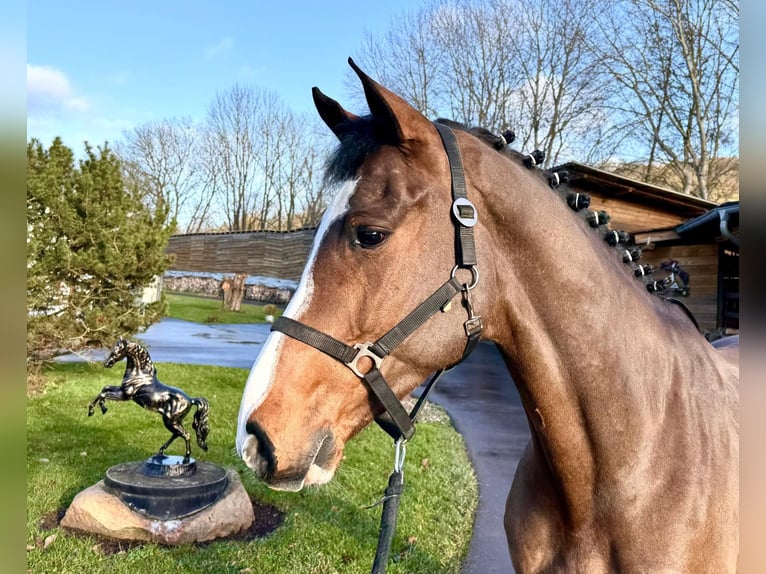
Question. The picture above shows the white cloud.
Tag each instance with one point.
(49, 90)
(47, 81)
(55, 108)
(224, 45)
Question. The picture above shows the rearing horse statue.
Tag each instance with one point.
(633, 462)
(140, 384)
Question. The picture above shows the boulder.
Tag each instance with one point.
(96, 510)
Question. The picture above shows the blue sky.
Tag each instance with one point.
(95, 69)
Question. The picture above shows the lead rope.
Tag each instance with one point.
(390, 502)
(392, 494)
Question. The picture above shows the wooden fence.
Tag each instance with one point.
(281, 255)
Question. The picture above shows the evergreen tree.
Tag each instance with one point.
(93, 244)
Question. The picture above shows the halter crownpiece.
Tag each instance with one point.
(395, 420)
(622, 241)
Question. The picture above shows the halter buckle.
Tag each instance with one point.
(473, 326)
(363, 350)
(465, 212)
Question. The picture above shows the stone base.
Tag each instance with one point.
(98, 511)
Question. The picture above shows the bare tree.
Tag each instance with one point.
(561, 101)
(235, 119)
(406, 59)
(522, 65)
(675, 63)
(262, 158)
(166, 154)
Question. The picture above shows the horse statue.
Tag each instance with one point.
(633, 460)
(140, 384)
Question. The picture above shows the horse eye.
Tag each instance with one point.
(368, 238)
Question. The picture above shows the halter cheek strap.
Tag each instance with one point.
(395, 420)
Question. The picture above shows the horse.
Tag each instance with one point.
(140, 384)
(632, 465)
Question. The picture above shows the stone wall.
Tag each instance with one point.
(257, 289)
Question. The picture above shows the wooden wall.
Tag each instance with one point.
(281, 255)
(632, 216)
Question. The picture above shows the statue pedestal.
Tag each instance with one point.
(197, 506)
(165, 487)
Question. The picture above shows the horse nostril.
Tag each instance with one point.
(266, 463)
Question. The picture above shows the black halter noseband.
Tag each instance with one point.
(395, 420)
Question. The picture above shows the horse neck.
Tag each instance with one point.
(584, 342)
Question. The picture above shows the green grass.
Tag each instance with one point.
(325, 529)
(204, 310)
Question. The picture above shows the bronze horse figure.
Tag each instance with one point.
(633, 461)
(140, 384)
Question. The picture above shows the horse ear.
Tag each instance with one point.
(403, 122)
(331, 111)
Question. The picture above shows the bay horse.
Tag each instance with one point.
(632, 464)
(141, 385)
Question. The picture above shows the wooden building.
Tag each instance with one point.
(707, 248)
(633, 205)
(700, 235)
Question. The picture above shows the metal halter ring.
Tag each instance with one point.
(474, 275)
(363, 350)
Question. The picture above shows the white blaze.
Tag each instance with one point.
(261, 375)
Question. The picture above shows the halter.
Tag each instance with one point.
(395, 420)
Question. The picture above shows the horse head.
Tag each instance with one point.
(118, 353)
(384, 245)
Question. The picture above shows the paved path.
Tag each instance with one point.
(485, 408)
(478, 394)
(176, 341)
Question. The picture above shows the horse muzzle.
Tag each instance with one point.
(315, 468)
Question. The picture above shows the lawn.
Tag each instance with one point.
(207, 310)
(323, 530)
